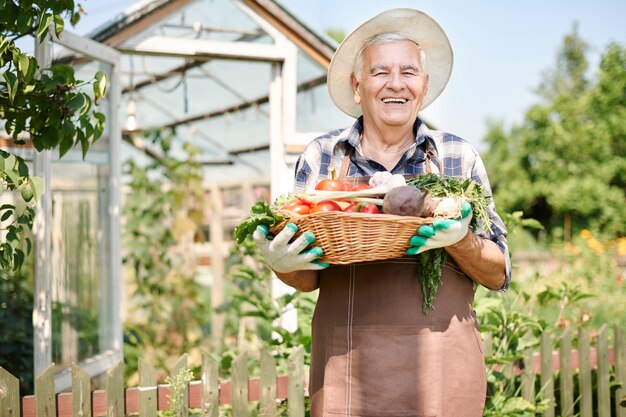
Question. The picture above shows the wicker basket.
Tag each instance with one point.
(356, 237)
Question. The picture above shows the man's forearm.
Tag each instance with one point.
(480, 259)
(304, 281)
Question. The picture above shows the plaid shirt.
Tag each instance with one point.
(451, 155)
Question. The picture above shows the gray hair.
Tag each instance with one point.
(385, 38)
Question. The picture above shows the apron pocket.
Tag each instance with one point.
(384, 370)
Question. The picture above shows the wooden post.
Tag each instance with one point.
(295, 388)
(45, 393)
(528, 377)
(547, 377)
(604, 393)
(114, 386)
(240, 385)
(620, 371)
(81, 392)
(148, 394)
(566, 382)
(9, 394)
(217, 265)
(210, 387)
(584, 374)
(268, 385)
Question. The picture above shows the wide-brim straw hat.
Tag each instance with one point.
(412, 23)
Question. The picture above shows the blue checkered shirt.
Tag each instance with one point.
(451, 155)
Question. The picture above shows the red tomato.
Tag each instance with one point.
(300, 209)
(362, 208)
(325, 206)
(369, 208)
(361, 186)
(331, 185)
(295, 202)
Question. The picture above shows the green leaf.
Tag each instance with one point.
(27, 192)
(23, 62)
(44, 23)
(260, 214)
(6, 215)
(5, 42)
(67, 142)
(77, 102)
(30, 75)
(14, 180)
(59, 24)
(12, 84)
(99, 85)
(18, 258)
(75, 18)
(86, 106)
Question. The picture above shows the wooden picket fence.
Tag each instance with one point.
(577, 368)
(205, 395)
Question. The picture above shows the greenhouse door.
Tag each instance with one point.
(76, 314)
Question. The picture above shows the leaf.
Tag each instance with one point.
(12, 84)
(77, 102)
(67, 142)
(517, 404)
(6, 215)
(100, 85)
(26, 192)
(14, 180)
(44, 22)
(22, 61)
(37, 186)
(59, 24)
(260, 214)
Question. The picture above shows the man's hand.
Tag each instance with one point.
(283, 256)
(443, 232)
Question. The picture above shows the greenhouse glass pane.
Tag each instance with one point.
(80, 229)
(219, 20)
(315, 110)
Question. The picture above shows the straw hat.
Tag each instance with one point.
(412, 23)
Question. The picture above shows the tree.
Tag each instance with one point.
(45, 107)
(565, 164)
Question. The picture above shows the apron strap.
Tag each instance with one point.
(345, 162)
(432, 157)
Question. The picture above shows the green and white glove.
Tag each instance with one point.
(283, 256)
(443, 232)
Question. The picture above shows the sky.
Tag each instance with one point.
(502, 49)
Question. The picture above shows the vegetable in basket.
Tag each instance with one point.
(452, 201)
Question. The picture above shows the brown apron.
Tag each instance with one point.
(375, 353)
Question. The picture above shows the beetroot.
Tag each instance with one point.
(409, 201)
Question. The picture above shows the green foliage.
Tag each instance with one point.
(336, 34)
(260, 214)
(178, 385)
(168, 309)
(565, 164)
(16, 220)
(46, 105)
(250, 296)
(16, 326)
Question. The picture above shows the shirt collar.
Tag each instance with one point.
(353, 134)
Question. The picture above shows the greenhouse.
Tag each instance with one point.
(243, 83)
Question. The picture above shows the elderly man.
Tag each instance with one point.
(374, 352)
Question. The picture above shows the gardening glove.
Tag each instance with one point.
(443, 232)
(283, 256)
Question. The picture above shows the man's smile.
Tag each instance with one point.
(394, 100)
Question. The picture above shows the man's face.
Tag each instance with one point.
(391, 85)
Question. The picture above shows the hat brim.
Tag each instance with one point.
(415, 25)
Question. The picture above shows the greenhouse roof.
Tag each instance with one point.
(230, 77)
